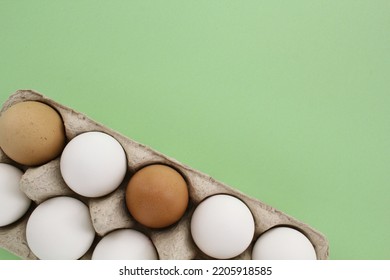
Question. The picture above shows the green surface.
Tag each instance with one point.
(287, 101)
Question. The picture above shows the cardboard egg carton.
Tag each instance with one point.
(109, 213)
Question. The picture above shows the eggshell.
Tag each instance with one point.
(13, 202)
(60, 229)
(157, 196)
(222, 226)
(283, 243)
(31, 133)
(93, 164)
(125, 244)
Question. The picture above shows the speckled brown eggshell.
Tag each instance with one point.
(157, 196)
(31, 133)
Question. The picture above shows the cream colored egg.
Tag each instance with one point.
(31, 133)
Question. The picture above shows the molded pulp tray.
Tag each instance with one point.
(109, 212)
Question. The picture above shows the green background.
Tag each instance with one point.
(287, 101)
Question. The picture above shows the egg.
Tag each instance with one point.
(31, 133)
(222, 226)
(13, 202)
(283, 243)
(125, 244)
(60, 228)
(93, 164)
(157, 196)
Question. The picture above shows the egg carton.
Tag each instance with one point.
(109, 213)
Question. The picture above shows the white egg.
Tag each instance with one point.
(125, 244)
(283, 243)
(60, 229)
(93, 164)
(222, 226)
(13, 202)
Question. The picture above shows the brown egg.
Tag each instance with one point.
(157, 196)
(31, 133)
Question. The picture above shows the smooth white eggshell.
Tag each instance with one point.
(93, 164)
(60, 229)
(222, 226)
(13, 202)
(283, 243)
(125, 244)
